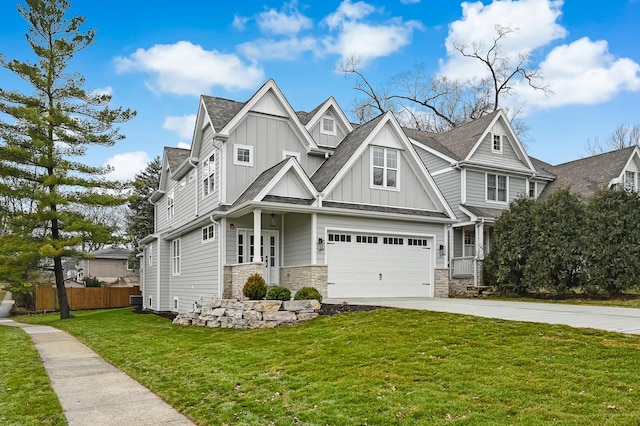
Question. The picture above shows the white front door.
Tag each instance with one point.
(268, 249)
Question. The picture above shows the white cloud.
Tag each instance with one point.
(348, 11)
(534, 22)
(362, 40)
(288, 21)
(127, 165)
(583, 72)
(187, 69)
(103, 91)
(184, 145)
(239, 22)
(287, 49)
(182, 125)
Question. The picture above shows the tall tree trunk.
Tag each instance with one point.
(63, 302)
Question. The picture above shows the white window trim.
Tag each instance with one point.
(630, 186)
(208, 239)
(176, 303)
(535, 189)
(497, 151)
(385, 168)
(236, 162)
(176, 271)
(328, 132)
(286, 154)
(472, 235)
(206, 175)
(150, 256)
(486, 189)
(171, 200)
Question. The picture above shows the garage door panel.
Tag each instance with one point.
(379, 270)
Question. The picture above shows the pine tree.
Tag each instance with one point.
(43, 134)
(141, 216)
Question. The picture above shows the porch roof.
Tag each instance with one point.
(482, 212)
(384, 209)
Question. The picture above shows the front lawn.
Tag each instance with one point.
(26, 396)
(387, 366)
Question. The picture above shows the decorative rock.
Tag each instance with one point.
(304, 316)
(184, 321)
(199, 322)
(215, 303)
(252, 315)
(284, 316)
(213, 323)
(218, 312)
(302, 305)
(263, 305)
(205, 311)
(234, 313)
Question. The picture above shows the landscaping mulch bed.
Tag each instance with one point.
(332, 309)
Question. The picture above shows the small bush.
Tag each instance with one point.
(279, 293)
(255, 288)
(91, 282)
(308, 293)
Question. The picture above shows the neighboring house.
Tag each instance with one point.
(110, 265)
(301, 198)
(480, 167)
(586, 176)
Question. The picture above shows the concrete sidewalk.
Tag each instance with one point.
(622, 320)
(92, 391)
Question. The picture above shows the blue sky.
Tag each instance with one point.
(157, 58)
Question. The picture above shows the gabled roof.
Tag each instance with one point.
(221, 111)
(428, 140)
(349, 145)
(460, 140)
(176, 156)
(476, 213)
(306, 116)
(543, 169)
(588, 175)
(314, 116)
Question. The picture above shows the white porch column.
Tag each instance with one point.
(480, 240)
(257, 233)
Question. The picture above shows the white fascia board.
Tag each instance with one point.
(473, 217)
(269, 85)
(292, 163)
(490, 168)
(331, 102)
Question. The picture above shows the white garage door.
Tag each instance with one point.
(368, 265)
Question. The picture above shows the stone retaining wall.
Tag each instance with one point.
(234, 313)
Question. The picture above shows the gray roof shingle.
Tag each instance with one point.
(343, 153)
(221, 111)
(176, 156)
(587, 176)
(259, 183)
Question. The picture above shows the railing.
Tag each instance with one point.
(462, 266)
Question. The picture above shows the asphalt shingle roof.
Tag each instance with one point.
(221, 111)
(483, 212)
(587, 176)
(111, 253)
(259, 183)
(176, 156)
(343, 153)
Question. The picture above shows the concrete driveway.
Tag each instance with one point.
(622, 320)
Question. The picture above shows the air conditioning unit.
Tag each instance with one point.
(135, 300)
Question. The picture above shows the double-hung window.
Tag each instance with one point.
(533, 189)
(385, 167)
(496, 188)
(496, 143)
(630, 181)
(208, 233)
(170, 205)
(175, 257)
(243, 155)
(208, 175)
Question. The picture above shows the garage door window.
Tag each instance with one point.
(343, 238)
(366, 239)
(417, 242)
(393, 241)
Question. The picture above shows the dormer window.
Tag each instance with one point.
(328, 126)
(496, 143)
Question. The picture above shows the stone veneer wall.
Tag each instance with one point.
(441, 288)
(233, 313)
(296, 277)
(235, 277)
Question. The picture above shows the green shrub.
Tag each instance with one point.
(255, 288)
(308, 293)
(279, 293)
(91, 282)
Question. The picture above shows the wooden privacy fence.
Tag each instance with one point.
(85, 298)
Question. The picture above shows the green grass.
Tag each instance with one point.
(26, 396)
(381, 367)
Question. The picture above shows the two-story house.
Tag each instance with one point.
(480, 167)
(301, 198)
